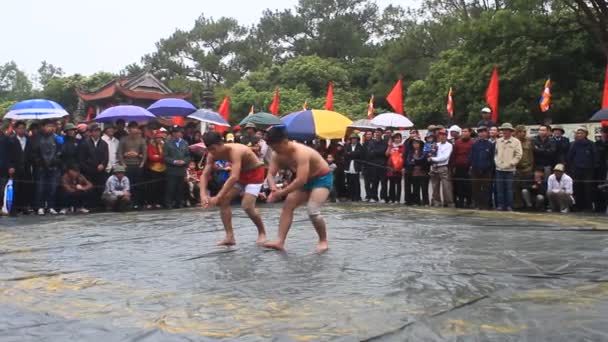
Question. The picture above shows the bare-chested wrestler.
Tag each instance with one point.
(246, 177)
(312, 185)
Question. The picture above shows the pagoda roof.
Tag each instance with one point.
(143, 86)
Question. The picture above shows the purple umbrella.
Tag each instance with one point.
(127, 113)
(172, 107)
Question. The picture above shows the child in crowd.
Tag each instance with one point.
(193, 177)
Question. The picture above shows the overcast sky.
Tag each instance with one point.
(89, 36)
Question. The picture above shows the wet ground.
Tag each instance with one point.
(391, 274)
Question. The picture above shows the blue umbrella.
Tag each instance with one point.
(37, 109)
(127, 113)
(172, 107)
(208, 116)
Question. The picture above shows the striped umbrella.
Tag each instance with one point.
(309, 124)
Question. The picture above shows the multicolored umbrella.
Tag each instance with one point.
(210, 117)
(309, 124)
(127, 113)
(172, 107)
(392, 120)
(37, 109)
(261, 119)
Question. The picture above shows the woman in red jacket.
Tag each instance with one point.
(155, 172)
(395, 152)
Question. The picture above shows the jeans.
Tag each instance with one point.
(482, 188)
(135, 175)
(394, 193)
(353, 186)
(504, 190)
(79, 199)
(174, 191)
(46, 188)
(375, 177)
(583, 188)
(420, 186)
(154, 187)
(462, 186)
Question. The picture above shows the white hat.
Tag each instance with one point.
(163, 129)
(486, 110)
(455, 128)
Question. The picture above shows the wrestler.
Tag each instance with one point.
(312, 184)
(246, 177)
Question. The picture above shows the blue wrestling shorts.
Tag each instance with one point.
(322, 181)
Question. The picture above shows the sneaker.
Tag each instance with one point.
(83, 211)
(148, 207)
(372, 201)
(565, 211)
(158, 206)
(52, 211)
(136, 207)
(41, 212)
(63, 211)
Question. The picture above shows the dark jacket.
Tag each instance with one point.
(461, 154)
(375, 152)
(70, 154)
(91, 156)
(601, 147)
(545, 152)
(486, 123)
(562, 146)
(18, 158)
(416, 162)
(46, 152)
(351, 154)
(4, 154)
(482, 155)
(172, 153)
(582, 155)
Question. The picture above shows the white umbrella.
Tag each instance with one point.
(392, 120)
(210, 117)
(364, 124)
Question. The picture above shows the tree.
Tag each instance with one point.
(47, 72)
(593, 16)
(14, 83)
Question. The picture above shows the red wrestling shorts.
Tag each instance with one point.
(255, 176)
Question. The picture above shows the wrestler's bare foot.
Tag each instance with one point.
(261, 239)
(278, 245)
(322, 246)
(228, 241)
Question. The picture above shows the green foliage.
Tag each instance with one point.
(14, 83)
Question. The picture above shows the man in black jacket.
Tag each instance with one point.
(562, 145)
(3, 164)
(93, 161)
(375, 155)
(544, 150)
(353, 153)
(20, 168)
(46, 157)
(601, 172)
(70, 154)
(581, 161)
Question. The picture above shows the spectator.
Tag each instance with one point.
(117, 194)
(20, 168)
(193, 178)
(249, 137)
(461, 164)
(133, 153)
(198, 137)
(77, 191)
(440, 177)
(83, 132)
(407, 182)
(562, 144)
(559, 190)
(70, 149)
(189, 133)
(494, 134)
(46, 156)
(601, 172)
(507, 156)
(177, 158)
(112, 142)
(264, 152)
(582, 160)
(375, 155)
(525, 168)
(486, 119)
(155, 172)
(482, 167)
(94, 160)
(544, 150)
(339, 175)
(331, 162)
(4, 161)
(353, 152)
(367, 169)
(417, 169)
(534, 192)
(395, 154)
(455, 132)
(120, 131)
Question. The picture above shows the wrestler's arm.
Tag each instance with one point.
(204, 181)
(236, 157)
(273, 169)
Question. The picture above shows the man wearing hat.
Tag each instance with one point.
(177, 157)
(94, 160)
(117, 193)
(133, 154)
(559, 190)
(562, 144)
(486, 118)
(375, 155)
(440, 176)
(353, 153)
(581, 161)
(482, 167)
(508, 154)
(249, 137)
(70, 153)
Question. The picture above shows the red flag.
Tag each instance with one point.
(605, 98)
(492, 94)
(395, 98)
(545, 97)
(274, 106)
(370, 108)
(224, 111)
(329, 102)
(178, 120)
(450, 106)
(305, 105)
(251, 110)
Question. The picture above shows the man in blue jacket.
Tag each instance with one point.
(482, 168)
(582, 160)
